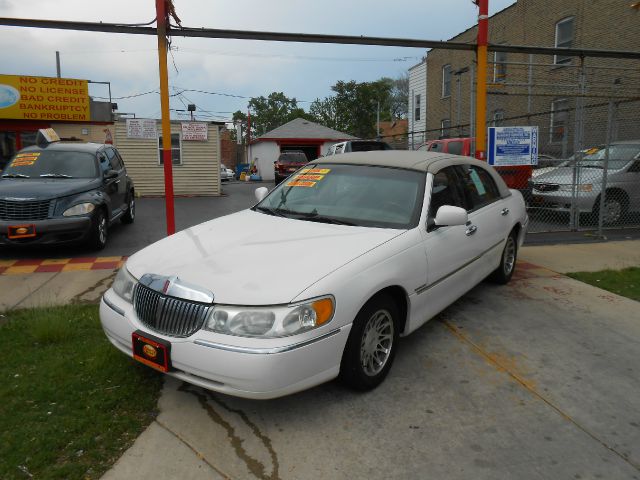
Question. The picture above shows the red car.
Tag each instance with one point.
(515, 177)
(287, 163)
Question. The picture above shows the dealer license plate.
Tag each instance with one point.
(152, 351)
(21, 231)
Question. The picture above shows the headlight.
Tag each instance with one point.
(123, 284)
(270, 322)
(586, 187)
(80, 209)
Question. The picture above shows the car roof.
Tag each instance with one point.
(421, 161)
(66, 146)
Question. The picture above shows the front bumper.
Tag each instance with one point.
(562, 201)
(54, 230)
(276, 368)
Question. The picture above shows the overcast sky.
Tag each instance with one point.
(233, 67)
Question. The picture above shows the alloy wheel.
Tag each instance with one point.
(377, 342)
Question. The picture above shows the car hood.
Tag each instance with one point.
(44, 188)
(251, 258)
(564, 176)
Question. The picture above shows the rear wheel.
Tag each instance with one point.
(130, 215)
(371, 346)
(99, 230)
(504, 272)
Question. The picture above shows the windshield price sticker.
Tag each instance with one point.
(309, 177)
(25, 159)
(322, 171)
(300, 183)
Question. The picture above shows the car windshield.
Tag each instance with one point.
(619, 156)
(361, 195)
(293, 158)
(51, 164)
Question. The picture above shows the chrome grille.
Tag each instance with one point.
(21, 210)
(168, 315)
(546, 187)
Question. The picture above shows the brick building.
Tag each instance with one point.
(561, 95)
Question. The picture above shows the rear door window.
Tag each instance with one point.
(478, 186)
(436, 147)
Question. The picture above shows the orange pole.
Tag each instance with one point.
(161, 20)
(481, 80)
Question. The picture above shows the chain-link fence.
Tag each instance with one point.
(587, 112)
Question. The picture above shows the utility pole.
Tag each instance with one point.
(58, 63)
(162, 21)
(481, 82)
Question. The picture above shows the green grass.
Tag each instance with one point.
(70, 402)
(623, 282)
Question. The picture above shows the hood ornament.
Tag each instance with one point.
(172, 286)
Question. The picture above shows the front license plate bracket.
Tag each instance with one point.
(152, 351)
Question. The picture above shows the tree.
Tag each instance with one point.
(268, 113)
(353, 109)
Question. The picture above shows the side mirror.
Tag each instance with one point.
(260, 193)
(109, 174)
(450, 216)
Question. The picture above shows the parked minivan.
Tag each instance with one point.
(515, 177)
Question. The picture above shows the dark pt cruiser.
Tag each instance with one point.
(65, 192)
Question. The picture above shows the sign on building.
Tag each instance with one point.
(513, 146)
(195, 131)
(44, 98)
(142, 128)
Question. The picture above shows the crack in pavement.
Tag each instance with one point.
(32, 292)
(527, 385)
(105, 282)
(193, 449)
(255, 466)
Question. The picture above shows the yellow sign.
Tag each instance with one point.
(44, 98)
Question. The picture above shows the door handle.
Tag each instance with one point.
(117, 181)
(471, 229)
(505, 211)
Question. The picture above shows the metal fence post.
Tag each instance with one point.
(603, 187)
(578, 142)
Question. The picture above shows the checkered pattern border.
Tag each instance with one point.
(26, 266)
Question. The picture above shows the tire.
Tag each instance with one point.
(99, 230)
(130, 215)
(615, 209)
(372, 344)
(504, 272)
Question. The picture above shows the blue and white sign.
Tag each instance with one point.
(513, 146)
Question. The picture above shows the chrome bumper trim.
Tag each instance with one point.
(266, 351)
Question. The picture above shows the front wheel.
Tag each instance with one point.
(504, 272)
(371, 346)
(99, 230)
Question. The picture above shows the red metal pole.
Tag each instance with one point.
(481, 80)
(161, 19)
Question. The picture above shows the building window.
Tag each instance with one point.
(559, 120)
(416, 109)
(498, 118)
(446, 81)
(499, 67)
(445, 125)
(176, 149)
(564, 38)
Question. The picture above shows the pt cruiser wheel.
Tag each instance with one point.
(371, 346)
(130, 214)
(100, 230)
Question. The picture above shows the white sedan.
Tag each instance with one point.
(320, 278)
